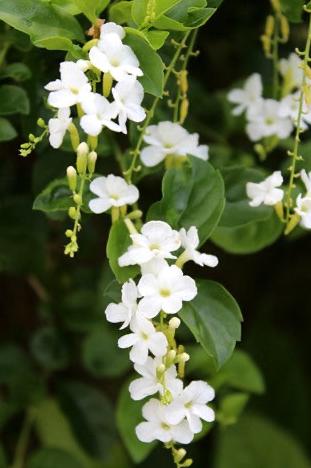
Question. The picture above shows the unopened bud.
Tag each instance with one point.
(307, 93)
(82, 158)
(72, 178)
(184, 357)
(72, 212)
(184, 110)
(270, 24)
(31, 137)
(180, 454)
(187, 463)
(284, 28)
(41, 123)
(170, 358)
(160, 371)
(91, 161)
(68, 233)
(77, 199)
(136, 214)
(276, 5)
(183, 81)
(174, 323)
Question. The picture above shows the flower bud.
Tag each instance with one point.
(174, 323)
(183, 81)
(82, 157)
(180, 454)
(31, 137)
(184, 110)
(77, 199)
(136, 214)
(160, 371)
(187, 463)
(276, 5)
(91, 161)
(72, 178)
(72, 212)
(41, 123)
(184, 357)
(68, 233)
(170, 358)
(284, 28)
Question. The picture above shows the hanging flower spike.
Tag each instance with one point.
(249, 98)
(144, 338)
(58, 127)
(73, 87)
(157, 427)
(168, 138)
(112, 191)
(190, 242)
(149, 383)
(267, 122)
(157, 239)
(128, 95)
(267, 191)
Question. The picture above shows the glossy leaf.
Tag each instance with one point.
(50, 349)
(140, 10)
(91, 8)
(13, 100)
(118, 242)
(214, 318)
(121, 12)
(7, 131)
(150, 63)
(192, 196)
(16, 71)
(231, 407)
(129, 415)
(292, 9)
(51, 457)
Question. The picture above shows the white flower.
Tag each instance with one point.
(111, 191)
(168, 138)
(111, 56)
(111, 28)
(249, 98)
(157, 239)
(126, 310)
(149, 384)
(58, 127)
(166, 291)
(267, 122)
(266, 192)
(190, 242)
(291, 71)
(156, 426)
(303, 209)
(306, 178)
(143, 339)
(99, 113)
(192, 405)
(289, 107)
(128, 95)
(73, 87)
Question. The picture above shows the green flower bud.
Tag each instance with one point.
(82, 158)
(91, 162)
(72, 178)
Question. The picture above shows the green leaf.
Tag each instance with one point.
(40, 20)
(67, 5)
(91, 417)
(13, 100)
(292, 9)
(121, 12)
(140, 10)
(58, 197)
(214, 318)
(16, 71)
(101, 355)
(118, 242)
(150, 63)
(188, 14)
(255, 442)
(51, 457)
(54, 43)
(242, 228)
(91, 8)
(129, 415)
(231, 407)
(155, 39)
(7, 131)
(50, 349)
(192, 196)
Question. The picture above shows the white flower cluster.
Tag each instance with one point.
(118, 63)
(271, 117)
(170, 139)
(175, 416)
(268, 192)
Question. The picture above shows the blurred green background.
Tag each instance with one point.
(56, 351)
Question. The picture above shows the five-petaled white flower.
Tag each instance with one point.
(148, 384)
(166, 291)
(291, 71)
(73, 87)
(268, 122)
(110, 55)
(157, 427)
(157, 239)
(111, 191)
(126, 310)
(58, 127)
(128, 95)
(99, 113)
(267, 191)
(303, 209)
(190, 242)
(144, 338)
(249, 98)
(168, 138)
(192, 405)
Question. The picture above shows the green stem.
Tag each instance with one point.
(150, 113)
(295, 153)
(275, 58)
(22, 443)
(4, 51)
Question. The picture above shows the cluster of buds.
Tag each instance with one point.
(276, 29)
